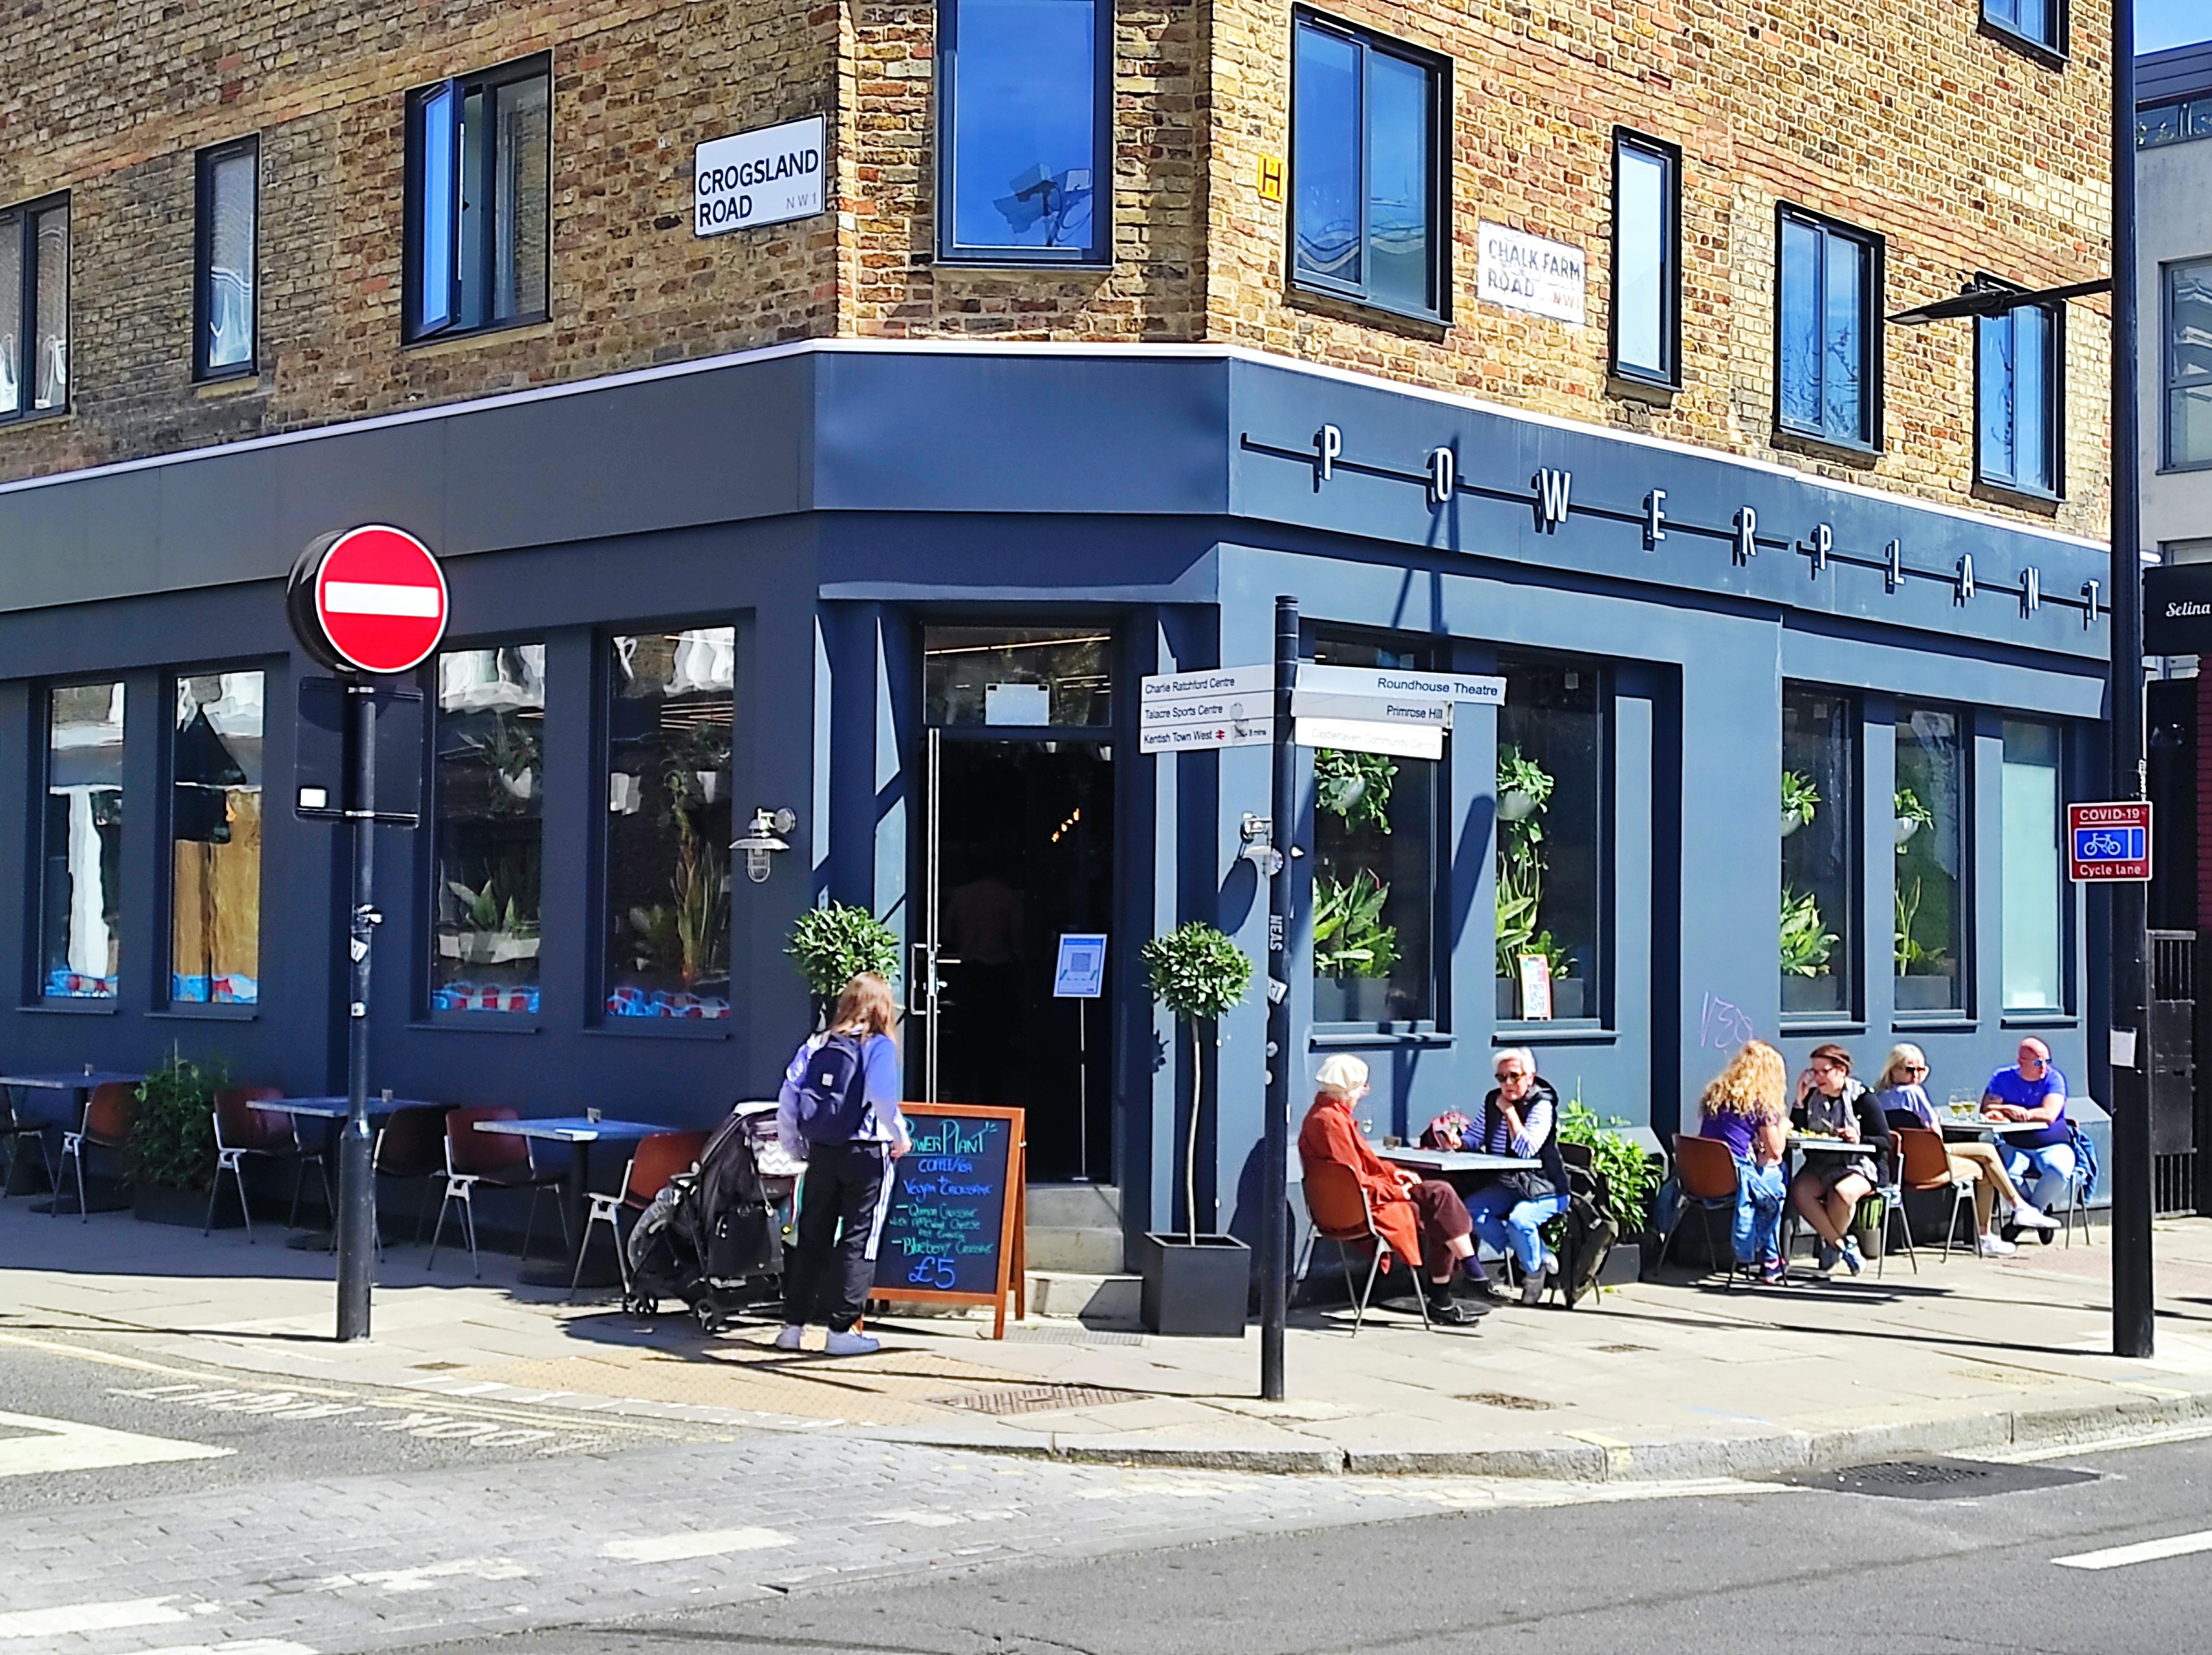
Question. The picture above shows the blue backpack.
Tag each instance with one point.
(833, 1092)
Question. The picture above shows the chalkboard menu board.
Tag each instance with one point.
(954, 1233)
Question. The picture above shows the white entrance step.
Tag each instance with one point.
(1097, 1300)
(1074, 1227)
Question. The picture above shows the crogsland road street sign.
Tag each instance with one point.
(2111, 841)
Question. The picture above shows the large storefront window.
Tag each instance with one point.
(1820, 868)
(2033, 886)
(1549, 800)
(1022, 675)
(1374, 857)
(215, 835)
(81, 934)
(1929, 915)
(491, 844)
(670, 718)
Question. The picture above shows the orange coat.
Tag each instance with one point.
(1330, 1135)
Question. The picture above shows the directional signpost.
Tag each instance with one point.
(1223, 706)
(367, 603)
(2109, 842)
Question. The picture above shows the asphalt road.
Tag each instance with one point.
(1807, 1571)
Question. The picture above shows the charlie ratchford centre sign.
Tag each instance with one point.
(766, 176)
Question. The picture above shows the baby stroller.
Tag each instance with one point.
(713, 1238)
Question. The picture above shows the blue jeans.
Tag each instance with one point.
(1759, 1196)
(1506, 1223)
(2054, 1168)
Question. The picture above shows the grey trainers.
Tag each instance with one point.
(1829, 1254)
(1854, 1260)
(851, 1344)
(1532, 1287)
(790, 1337)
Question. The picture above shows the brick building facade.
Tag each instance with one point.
(1964, 151)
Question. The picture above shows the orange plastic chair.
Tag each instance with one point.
(241, 1130)
(105, 1125)
(1706, 1170)
(1342, 1212)
(656, 1160)
(500, 1159)
(1925, 1164)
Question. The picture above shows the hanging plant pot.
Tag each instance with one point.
(1906, 827)
(709, 781)
(1791, 821)
(1513, 805)
(518, 786)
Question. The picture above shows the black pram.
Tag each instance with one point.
(713, 1238)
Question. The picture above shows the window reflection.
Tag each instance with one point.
(491, 844)
(2033, 889)
(670, 721)
(81, 921)
(1548, 799)
(1023, 79)
(215, 831)
(1819, 885)
(1018, 676)
(1928, 923)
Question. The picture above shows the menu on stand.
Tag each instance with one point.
(954, 1231)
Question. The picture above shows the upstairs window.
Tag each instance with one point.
(2039, 22)
(1368, 215)
(1647, 279)
(34, 260)
(2017, 399)
(1025, 100)
(1829, 365)
(2173, 123)
(223, 260)
(2189, 364)
(479, 160)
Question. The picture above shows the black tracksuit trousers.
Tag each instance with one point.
(829, 1275)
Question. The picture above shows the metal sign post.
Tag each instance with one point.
(367, 603)
(1079, 975)
(1275, 1152)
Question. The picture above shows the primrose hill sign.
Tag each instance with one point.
(768, 176)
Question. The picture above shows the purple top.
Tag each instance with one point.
(2008, 1086)
(1735, 1130)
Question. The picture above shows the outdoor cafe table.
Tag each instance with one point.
(579, 1133)
(79, 1083)
(330, 1112)
(1976, 1127)
(1443, 1163)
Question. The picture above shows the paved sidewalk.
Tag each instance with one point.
(1674, 1380)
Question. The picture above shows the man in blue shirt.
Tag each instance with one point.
(2033, 1091)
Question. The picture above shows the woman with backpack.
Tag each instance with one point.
(839, 1113)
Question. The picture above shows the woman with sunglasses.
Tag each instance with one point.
(1903, 1095)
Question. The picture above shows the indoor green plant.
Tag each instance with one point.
(170, 1150)
(1195, 1283)
(1355, 786)
(1911, 816)
(836, 942)
(1524, 793)
(1349, 936)
(1806, 943)
(1800, 801)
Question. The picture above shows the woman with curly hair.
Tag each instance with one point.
(1745, 1106)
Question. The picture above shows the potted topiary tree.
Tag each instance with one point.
(171, 1150)
(1194, 1282)
(836, 943)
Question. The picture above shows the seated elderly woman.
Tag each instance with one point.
(1511, 1211)
(1420, 1218)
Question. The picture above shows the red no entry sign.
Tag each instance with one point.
(373, 599)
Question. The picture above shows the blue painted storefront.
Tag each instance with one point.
(829, 499)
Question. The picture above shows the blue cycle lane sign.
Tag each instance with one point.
(2109, 842)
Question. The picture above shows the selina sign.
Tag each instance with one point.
(768, 176)
(2176, 610)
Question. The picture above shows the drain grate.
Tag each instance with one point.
(1620, 1349)
(1076, 1335)
(1038, 1398)
(437, 1367)
(1938, 1479)
(1506, 1399)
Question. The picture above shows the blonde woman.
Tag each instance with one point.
(1903, 1096)
(1745, 1106)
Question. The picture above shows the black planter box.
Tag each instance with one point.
(1195, 1291)
(150, 1203)
(1623, 1264)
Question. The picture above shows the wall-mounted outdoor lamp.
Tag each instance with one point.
(763, 839)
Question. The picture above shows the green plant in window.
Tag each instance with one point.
(1911, 816)
(1355, 787)
(1524, 793)
(1807, 943)
(702, 889)
(1349, 936)
(1801, 800)
(514, 750)
(653, 943)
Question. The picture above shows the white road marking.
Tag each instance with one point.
(66, 1445)
(711, 1543)
(236, 1647)
(421, 1578)
(2149, 1551)
(65, 1618)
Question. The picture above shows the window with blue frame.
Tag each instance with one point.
(2017, 400)
(1368, 202)
(2039, 22)
(1024, 109)
(1828, 366)
(224, 266)
(479, 204)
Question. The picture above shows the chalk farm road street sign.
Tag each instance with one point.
(2109, 842)
(370, 600)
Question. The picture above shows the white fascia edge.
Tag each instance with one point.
(1050, 348)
